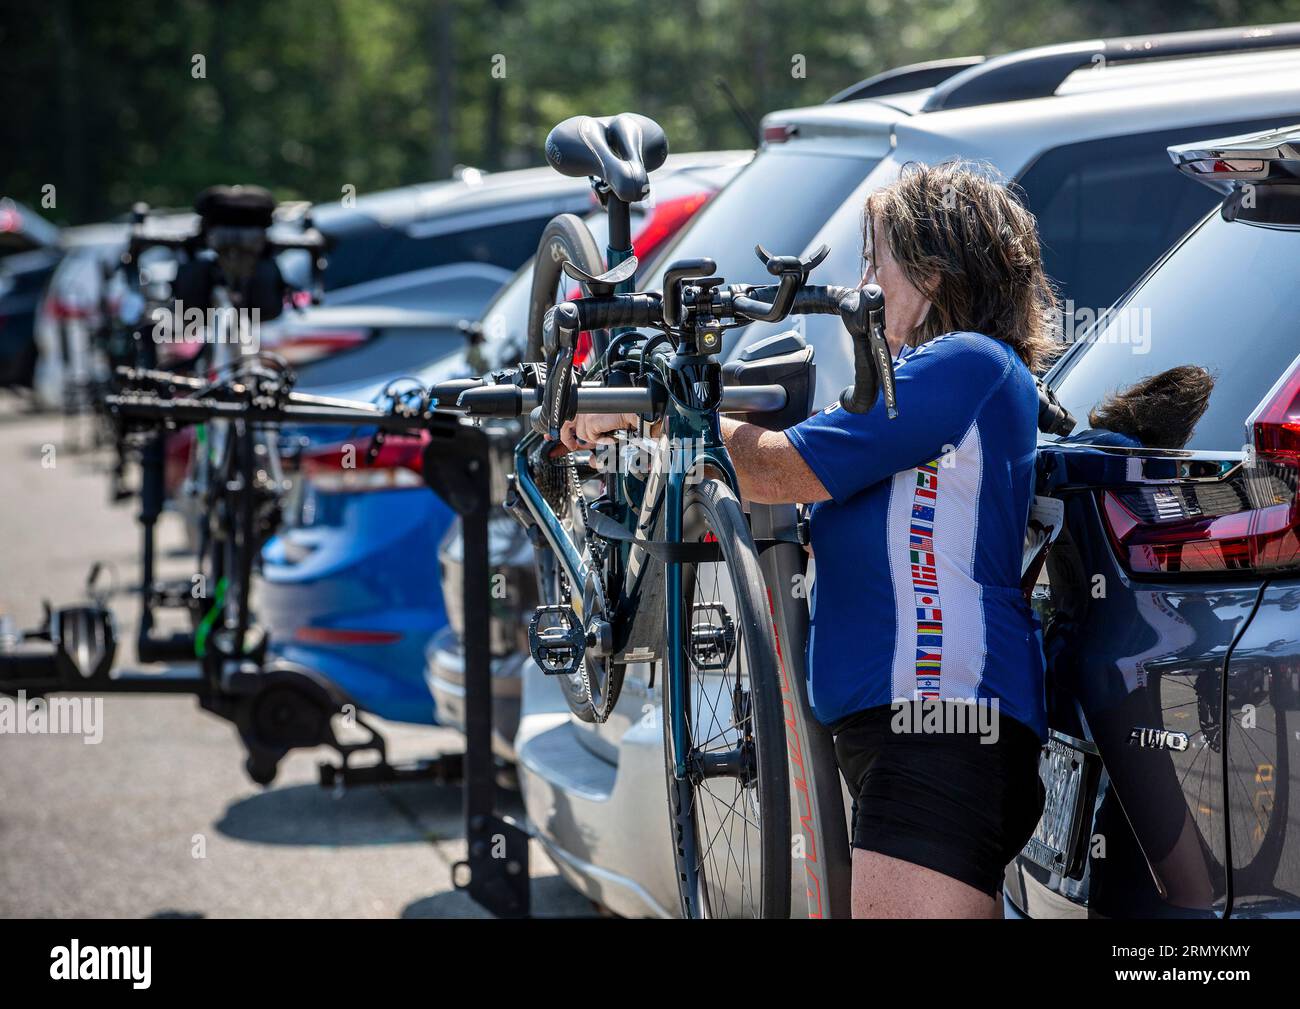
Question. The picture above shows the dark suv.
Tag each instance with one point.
(1171, 600)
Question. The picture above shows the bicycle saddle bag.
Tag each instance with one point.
(620, 150)
(235, 206)
(786, 360)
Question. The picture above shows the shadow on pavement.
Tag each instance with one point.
(550, 892)
(371, 815)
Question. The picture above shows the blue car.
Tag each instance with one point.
(339, 591)
(350, 586)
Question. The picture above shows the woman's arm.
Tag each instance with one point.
(770, 469)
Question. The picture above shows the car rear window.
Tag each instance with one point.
(1107, 209)
(368, 252)
(772, 202)
(1227, 300)
(389, 353)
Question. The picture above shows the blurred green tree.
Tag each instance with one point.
(152, 100)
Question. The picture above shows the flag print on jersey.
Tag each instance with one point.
(925, 582)
(918, 562)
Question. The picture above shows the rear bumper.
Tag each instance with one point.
(604, 825)
(372, 686)
(444, 673)
(373, 575)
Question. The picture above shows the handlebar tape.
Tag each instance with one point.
(514, 401)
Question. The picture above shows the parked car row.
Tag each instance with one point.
(1089, 150)
(351, 583)
(1168, 597)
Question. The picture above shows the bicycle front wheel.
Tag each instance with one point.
(730, 811)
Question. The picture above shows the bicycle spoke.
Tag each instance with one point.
(720, 720)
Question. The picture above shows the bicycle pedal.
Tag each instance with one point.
(713, 637)
(557, 640)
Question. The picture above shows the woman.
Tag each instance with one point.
(917, 533)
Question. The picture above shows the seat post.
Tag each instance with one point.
(620, 232)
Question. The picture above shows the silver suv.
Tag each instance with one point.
(1083, 129)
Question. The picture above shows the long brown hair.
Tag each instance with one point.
(971, 247)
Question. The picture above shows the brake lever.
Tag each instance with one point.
(863, 314)
(559, 404)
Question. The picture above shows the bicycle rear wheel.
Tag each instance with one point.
(566, 240)
(591, 692)
(731, 811)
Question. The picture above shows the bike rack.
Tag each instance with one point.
(495, 872)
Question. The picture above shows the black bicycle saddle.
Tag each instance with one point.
(235, 206)
(621, 150)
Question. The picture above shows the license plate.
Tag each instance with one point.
(1069, 769)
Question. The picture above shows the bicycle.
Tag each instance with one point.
(236, 482)
(225, 264)
(276, 705)
(666, 570)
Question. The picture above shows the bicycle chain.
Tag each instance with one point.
(596, 550)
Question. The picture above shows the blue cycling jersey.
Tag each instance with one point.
(918, 552)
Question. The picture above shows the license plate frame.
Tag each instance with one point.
(1070, 770)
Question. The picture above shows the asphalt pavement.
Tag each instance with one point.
(158, 819)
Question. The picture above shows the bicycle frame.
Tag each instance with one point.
(690, 441)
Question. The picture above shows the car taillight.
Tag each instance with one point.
(779, 133)
(664, 221)
(343, 469)
(304, 346)
(1240, 168)
(344, 636)
(1275, 425)
(1247, 522)
(57, 308)
(178, 453)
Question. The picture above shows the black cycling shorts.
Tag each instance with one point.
(943, 800)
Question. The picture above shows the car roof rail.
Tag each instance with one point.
(1038, 72)
(912, 77)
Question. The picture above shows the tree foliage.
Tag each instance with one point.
(154, 99)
